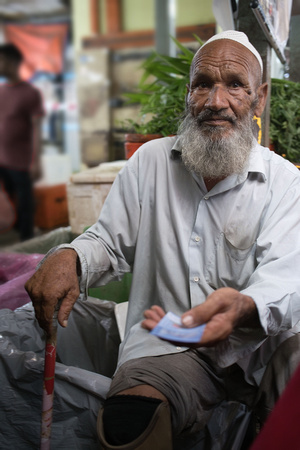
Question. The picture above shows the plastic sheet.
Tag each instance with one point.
(86, 359)
(42, 244)
(231, 427)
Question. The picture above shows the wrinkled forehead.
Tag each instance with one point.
(225, 52)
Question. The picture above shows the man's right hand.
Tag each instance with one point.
(54, 282)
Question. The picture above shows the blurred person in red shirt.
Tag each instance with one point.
(21, 109)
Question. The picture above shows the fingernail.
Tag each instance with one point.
(187, 320)
(65, 323)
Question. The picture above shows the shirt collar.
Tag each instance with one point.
(255, 165)
(256, 161)
(176, 149)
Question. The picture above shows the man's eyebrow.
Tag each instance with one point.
(236, 76)
(200, 75)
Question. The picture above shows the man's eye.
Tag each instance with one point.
(202, 85)
(235, 84)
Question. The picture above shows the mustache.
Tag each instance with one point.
(212, 115)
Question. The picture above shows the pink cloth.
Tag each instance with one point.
(15, 270)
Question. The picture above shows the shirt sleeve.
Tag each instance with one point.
(106, 250)
(274, 285)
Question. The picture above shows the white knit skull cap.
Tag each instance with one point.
(239, 37)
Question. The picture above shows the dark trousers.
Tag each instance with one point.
(18, 185)
(195, 386)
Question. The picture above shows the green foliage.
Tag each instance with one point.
(161, 91)
(161, 94)
(285, 118)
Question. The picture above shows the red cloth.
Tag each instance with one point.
(41, 45)
(282, 430)
(20, 102)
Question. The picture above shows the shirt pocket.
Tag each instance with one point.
(232, 262)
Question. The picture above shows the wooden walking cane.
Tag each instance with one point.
(48, 384)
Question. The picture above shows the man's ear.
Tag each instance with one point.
(262, 94)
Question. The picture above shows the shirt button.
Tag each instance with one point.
(206, 198)
(197, 238)
(196, 279)
(178, 348)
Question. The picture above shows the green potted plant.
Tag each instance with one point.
(285, 118)
(161, 92)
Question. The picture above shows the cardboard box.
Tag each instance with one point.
(87, 192)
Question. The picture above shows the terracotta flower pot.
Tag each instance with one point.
(272, 146)
(134, 141)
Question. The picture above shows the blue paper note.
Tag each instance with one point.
(170, 328)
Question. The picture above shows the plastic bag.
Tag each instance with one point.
(42, 244)
(86, 353)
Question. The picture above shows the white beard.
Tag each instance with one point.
(207, 152)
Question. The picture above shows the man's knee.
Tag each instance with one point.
(144, 390)
(134, 421)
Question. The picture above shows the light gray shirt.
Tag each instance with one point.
(182, 242)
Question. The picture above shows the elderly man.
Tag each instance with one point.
(208, 222)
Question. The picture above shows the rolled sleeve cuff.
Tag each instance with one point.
(270, 316)
(264, 318)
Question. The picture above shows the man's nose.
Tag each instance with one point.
(217, 99)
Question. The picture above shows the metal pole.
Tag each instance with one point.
(165, 26)
(247, 22)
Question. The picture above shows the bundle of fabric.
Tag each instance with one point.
(15, 270)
